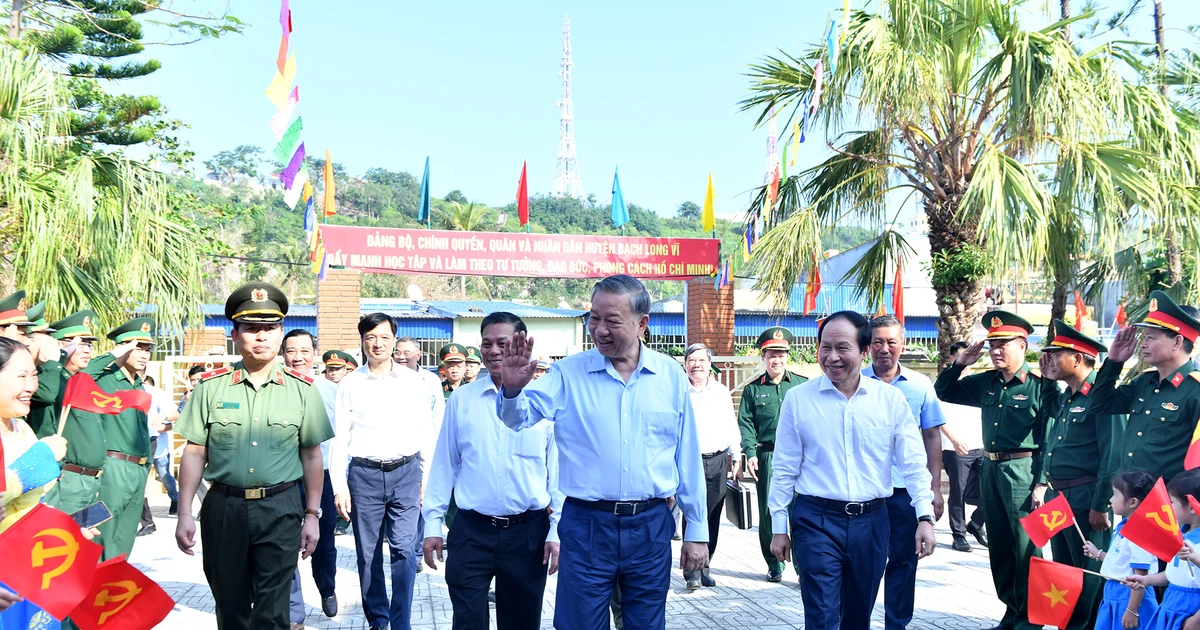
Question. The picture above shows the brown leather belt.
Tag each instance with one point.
(80, 470)
(1067, 484)
(1004, 457)
(140, 461)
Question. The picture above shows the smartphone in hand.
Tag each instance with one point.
(92, 515)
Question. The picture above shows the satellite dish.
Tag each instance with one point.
(415, 293)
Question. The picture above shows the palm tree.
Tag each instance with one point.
(296, 252)
(468, 219)
(86, 230)
(959, 104)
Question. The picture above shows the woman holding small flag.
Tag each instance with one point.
(1180, 607)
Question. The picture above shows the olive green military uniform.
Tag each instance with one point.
(128, 452)
(251, 518)
(1162, 413)
(1014, 431)
(1080, 456)
(451, 353)
(46, 405)
(758, 417)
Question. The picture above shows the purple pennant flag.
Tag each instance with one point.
(289, 174)
(285, 19)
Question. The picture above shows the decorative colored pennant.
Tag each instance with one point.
(292, 170)
(290, 140)
(279, 122)
(330, 202)
(292, 194)
(281, 85)
(818, 79)
(833, 47)
(796, 136)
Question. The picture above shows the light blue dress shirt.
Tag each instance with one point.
(491, 469)
(328, 391)
(620, 441)
(922, 399)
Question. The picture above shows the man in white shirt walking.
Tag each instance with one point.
(720, 440)
(834, 447)
(377, 464)
(506, 484)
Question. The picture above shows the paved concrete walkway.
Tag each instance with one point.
(954, 589)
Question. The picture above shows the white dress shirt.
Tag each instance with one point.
(966, 423)
(716, 423)
(490, 468)
(383, 417)
(160, 406)
(328, 391)
(836, 448)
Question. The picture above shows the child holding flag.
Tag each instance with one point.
(1180, 607)
(1121, 607)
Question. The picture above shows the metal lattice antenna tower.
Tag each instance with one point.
(566, 175)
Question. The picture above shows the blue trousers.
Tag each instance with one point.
(600, 551)
(162, 466)
(900, 576)
(840, 566)
(386, 505)
(324, 557)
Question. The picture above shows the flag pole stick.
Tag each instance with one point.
(1081, 536)
(62, 419)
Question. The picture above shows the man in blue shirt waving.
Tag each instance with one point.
(627, 443)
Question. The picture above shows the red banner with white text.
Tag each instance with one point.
(396, 250)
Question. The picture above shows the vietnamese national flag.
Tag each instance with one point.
(813, 289)
(1054, 590)
(1121, 317)
(1153, 525)
(898, 292)
(523, 196)
(122, 597)
(48, 561)
(1081, 311)
(83, 393)
(1048, 520)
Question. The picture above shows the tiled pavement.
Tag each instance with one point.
(954, 589)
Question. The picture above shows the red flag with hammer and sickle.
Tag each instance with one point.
(83, 393)
(48, 561)
(1153, 526)
(122, 597)
(1048, 520)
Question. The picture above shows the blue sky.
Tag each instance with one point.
(474, 85)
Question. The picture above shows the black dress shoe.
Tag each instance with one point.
(329, 606)
(174, 509)
(979, 532)
(960, 544)
(147, 529)
(707, 581)
(775, 576)
(420, 566)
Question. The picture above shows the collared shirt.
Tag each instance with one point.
(922, 400)
(161, 406)
(328, 390)
(839, 448)
(383, 417)
(490, 468)
(618, 440)
(758, 413)
(125, 432)
(1123, 556)
(1082, 443)
(715, 423)
(966, 423)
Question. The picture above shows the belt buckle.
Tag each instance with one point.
(625, 508)
(254, 493)
(501, 521)
(858, 512)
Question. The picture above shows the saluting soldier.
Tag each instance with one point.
(453, 357)
(127, 440)
(1163, 402)
(1081, 453)
(254, 429)
(74, 340)
(1013, 401)
(473, 363)
(758, 415)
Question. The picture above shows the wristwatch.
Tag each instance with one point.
(316, 512)
(925, 519)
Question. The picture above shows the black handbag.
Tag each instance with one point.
(738, 506)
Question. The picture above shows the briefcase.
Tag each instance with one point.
(738, 506)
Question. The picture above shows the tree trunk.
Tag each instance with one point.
(1064, 7)
(1058, 299)
(14, 19)
(1174, 252)
(958, 302)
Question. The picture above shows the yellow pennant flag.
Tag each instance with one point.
(708, 220)
(795, 142)
(330, 208)
(281, 85)
(845, 22)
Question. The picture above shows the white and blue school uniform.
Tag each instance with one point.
(1182, 599)
(1122, 558)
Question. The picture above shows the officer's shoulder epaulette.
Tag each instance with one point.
(1195, 375)
(1149, 369)
(299, 375)
(221, 371)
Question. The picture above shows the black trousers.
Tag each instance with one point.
(513, 555)
(716, 470)
(324, 557)
(959, 470)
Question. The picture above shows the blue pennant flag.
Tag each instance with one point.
(423, 214)
(620, 214)
(833, 47)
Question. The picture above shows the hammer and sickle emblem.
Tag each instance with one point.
(1054, 519)
(103, 598)
(1170, 524)
(101, 400)
(67, 550)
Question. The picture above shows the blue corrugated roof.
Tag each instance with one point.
(463, 308)
(294, 310)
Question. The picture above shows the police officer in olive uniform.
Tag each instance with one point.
(758, 415)
(52, 375)
(127, 440)
(453, 357)
(255, 430)
(474, 362)
(1163, 402)
(1014, 405)
(1081, 454)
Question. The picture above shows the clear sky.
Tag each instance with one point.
(474, 86)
